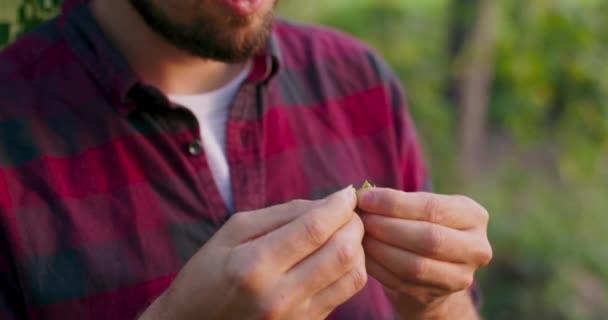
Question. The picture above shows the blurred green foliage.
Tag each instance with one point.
(20, 16)
(546, 183)
(547, 189)
(550, 82)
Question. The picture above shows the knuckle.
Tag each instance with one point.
(462, 282)
(433, 209)
(434, 240)
(246, 279)
(484, 255)
(466, 282)
(464, 200)
(239, 220)
(483, 214)
(315, 230)
(427, 297)
(419, 269)
(358, 278)
(346, 254)
(247, 274)
(479, 211)
(272, 309)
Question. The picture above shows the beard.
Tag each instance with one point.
(228, 38)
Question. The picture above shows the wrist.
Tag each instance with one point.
(458, 305)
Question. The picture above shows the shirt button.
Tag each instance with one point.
(195, 148)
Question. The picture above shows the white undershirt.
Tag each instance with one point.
(211, 110)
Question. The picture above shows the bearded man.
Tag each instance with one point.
(190, 159)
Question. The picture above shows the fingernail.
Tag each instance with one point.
(350, 195)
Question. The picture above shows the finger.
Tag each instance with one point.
(296, 240)
(424, 238)
(246, 226)
(329, 263)
(341, 290)
(457, 212)
(380, 273)
(410, 267)
(411, 293)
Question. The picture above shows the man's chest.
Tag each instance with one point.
(122, 215)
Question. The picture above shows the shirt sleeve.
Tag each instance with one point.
(413, 168)
(412, 165)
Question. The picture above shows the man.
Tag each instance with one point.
(151, 152)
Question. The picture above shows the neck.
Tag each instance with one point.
(158, 63)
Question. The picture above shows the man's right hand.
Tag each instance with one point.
(298, 260)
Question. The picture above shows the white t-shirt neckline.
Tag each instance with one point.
(212, 109)
(211, 100)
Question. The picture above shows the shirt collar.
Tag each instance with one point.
(268, 62)
(110, 68)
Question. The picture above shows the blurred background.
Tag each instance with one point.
(510, 98)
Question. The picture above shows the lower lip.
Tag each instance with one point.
(244, 7)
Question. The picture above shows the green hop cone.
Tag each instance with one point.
(367, 185)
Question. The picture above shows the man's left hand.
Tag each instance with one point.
(425, 249)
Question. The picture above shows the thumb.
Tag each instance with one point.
(249, 225)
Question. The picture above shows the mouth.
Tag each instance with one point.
(243, 7)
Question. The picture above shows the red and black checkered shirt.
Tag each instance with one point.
(105, 191)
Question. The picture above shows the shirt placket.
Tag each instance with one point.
(245, 149)
(192, 145)
(184, 129)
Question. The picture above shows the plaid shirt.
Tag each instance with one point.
(105, 191)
